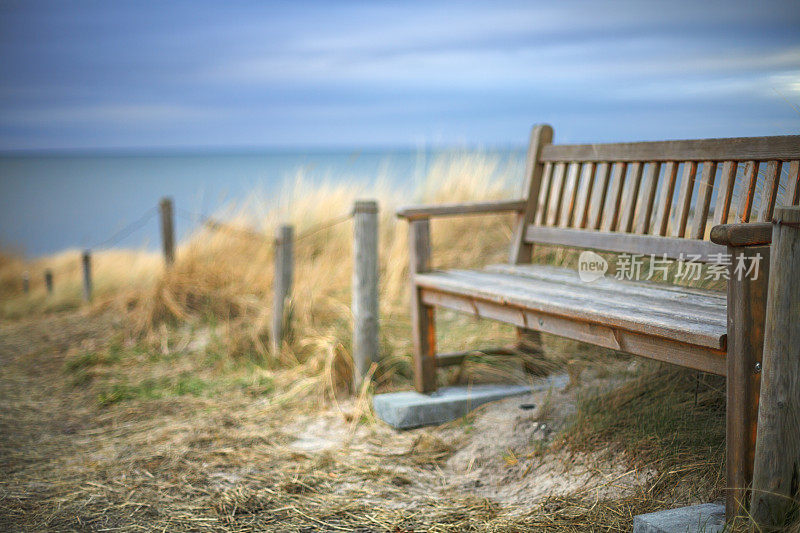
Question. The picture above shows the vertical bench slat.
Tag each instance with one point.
(746, 200)
(725, 192)
(769, 192)
(793, 185)
(583, 202)
(615, 196)
(556, 194)
(544, 194)
(665, 198)
(648, 197)
(631, 197)
(571, 192)
(685, 198)
(601, 187)
(698, 230)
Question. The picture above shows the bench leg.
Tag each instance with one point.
(423, 327)
(530, 342)
(423, 330)
(746, 310)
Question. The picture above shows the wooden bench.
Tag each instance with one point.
(628, 198)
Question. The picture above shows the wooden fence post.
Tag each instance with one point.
(284, 264)
(26, 282)
(365, 288)
(776, 472)
(167, 230)
(48, 280)
(87, 275)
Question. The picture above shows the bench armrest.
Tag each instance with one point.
(417, 212)
(746, 234)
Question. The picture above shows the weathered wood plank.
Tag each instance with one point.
(631, 195)
(556, 194)
(612, 209)
(685, 198)
(601, 188)
(416, 212)
(570, 194)
(622, 297)
(423, 326)
(612, 287)
(690, 328)
(746, 309)
(744, 234)
(665, 198)
(661, 349)
(544, 195)
(792, 196)
(725, 192)
(739, 149)
(585, 196)
(620, 242)
(777, 452)
(746, 196)
(519, 249)
(522, 251)
(648, 197)
(704, 192)
(769, 192)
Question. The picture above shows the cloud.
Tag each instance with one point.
(153, 114)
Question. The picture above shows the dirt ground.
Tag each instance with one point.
(238, 462)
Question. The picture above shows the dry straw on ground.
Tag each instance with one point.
(159, 406)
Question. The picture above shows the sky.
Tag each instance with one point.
(165, 75)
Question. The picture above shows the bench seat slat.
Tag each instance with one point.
(666, 307)
(669, 319)
(712, 299)
(661, 349)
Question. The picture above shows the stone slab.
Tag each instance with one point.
(703, 518)
(411, 409)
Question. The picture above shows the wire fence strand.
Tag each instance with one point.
(127, 230)
(215, 224)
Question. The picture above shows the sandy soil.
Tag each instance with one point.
(235, 462)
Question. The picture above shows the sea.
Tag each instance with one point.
(51, 202)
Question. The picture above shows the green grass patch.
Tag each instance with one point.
(156, 388)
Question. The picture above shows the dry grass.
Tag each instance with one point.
(168, 411)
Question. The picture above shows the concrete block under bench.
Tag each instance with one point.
(411, 409)
(703, 518)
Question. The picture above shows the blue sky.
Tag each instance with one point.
(84, 75)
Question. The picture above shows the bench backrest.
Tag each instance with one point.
(652, 197)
